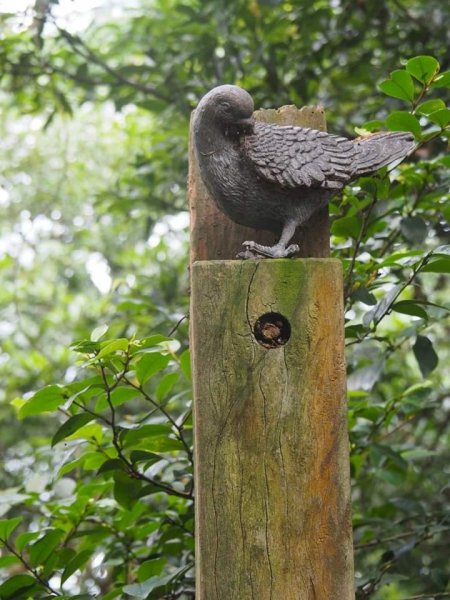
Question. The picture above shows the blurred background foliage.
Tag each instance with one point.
(95, 102)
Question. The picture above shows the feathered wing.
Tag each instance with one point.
(379, 149)
(299, 157)
(296, 157)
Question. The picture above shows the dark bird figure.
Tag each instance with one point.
(275, 177)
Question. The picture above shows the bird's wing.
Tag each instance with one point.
(299, 157)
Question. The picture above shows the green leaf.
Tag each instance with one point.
(7, 526)
(118, 396)
(389, 452)
(85, 347)
(151, 568)
(99, 332)
(127, 491)
(441, 117)
(423, 68)
(87, 432)
(25, 537)
(439, 265)
(382, 307)
(47, 399)
(400, 85)
(76, 563)
(369, 127)
(363, 295)
(110, 348)
(8, 561)
(151, 341)
(442, 80)
(400, 120)
(442, 249)
(142, 590)
(425, 355)
(165, 385)
(112, 464)
(150, 364)
(399, 258)
(41, 550)
(152, 437)
(185, 364)
(149, 458)
(123, 394)
(408, 307)
(430, 106)
(72, 425)
(347, 227)
(15, 585)
(414, 229)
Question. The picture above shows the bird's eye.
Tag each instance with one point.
(226, 104)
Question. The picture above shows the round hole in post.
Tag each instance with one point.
(272, 330)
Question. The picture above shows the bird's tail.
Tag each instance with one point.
(379, 149)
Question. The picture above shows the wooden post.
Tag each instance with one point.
(271, 449)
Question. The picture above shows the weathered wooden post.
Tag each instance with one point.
(271, 449)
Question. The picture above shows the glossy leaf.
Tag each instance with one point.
(111, 348)
(150, 364)
(151, 437)
(185, 364)
(13, 587)
(45, 400)
(151, 568)
(142, 590)
(425, 355)
(430, 106)
(72, 425)
(99, 332)
(408, 307)
(414, 229)
(442, 80)
(441, 117)
(7, 526)
(40, 551)
(423, 68)
(437, 265)
(75, 564)
(404, 121)
(399, 85)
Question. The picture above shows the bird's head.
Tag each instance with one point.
(228, 108)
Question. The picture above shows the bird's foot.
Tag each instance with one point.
(253, 250)
(247, 254)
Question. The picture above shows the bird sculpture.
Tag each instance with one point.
(275, 177)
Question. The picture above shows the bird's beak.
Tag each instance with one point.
(246, 125)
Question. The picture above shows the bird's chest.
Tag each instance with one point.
(236, 189)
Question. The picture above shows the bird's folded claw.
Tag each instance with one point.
(254, 250)
(292, 250)
(247, 254)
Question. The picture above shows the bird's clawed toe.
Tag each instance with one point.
(292, 250)
(247, 254)
(254, 250)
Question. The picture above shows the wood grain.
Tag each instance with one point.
(271, 446)
(215, 237)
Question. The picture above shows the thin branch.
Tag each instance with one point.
(29, 568)
(82, 49)
(133, 472)
(361, 234)
(172, 331)
(429, 596)
(379, 541)
(172, 421)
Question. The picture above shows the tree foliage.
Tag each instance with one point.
(96, 490)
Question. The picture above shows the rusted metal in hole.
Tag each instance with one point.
(272, 330)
